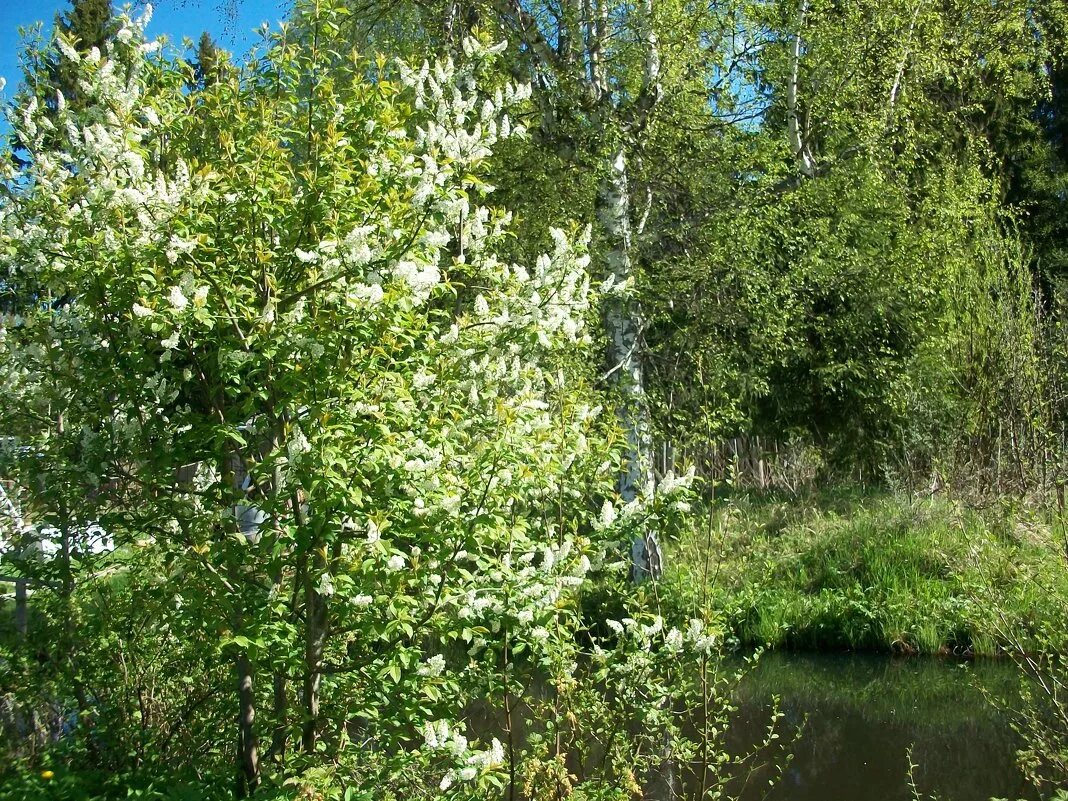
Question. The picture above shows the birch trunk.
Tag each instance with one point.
(622, 324)
(805, 162)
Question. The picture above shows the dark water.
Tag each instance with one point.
(858, 717)
(860, 714)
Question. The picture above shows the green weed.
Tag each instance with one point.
(869, 571)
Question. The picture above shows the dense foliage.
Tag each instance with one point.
(310, 472)
(352, 391)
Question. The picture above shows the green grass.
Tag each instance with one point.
(872, 571)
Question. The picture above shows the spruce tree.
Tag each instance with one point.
(207, 67)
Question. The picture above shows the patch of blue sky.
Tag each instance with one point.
(234, 24)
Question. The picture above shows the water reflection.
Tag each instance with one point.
(861, 714)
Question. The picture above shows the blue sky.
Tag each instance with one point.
(230, 22)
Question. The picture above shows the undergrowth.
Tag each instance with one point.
(870, 571)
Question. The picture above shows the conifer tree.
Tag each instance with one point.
(208, 63)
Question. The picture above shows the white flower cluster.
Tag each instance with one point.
(523, 587)
(552, 302)
(433, 667)
(462, 125)
(440, 736)
(671, 483)
(108, 145)
(560, 290)
(650, 635)
(420, 277)
(666, 491)
(458, 129)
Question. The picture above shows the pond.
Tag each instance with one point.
(862, 713)
(859, 715)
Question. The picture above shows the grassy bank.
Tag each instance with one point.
(872, 571)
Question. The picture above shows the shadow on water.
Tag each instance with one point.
(862, 713)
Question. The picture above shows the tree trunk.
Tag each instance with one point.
(315, 610)
(248, 759)
(798, 146)
(21, 616)
(622, 323)
(280, 736)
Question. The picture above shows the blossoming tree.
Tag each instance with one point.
(347, 456)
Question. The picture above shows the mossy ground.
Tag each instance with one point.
(875, 571)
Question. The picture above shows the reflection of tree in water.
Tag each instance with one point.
(860, 716)
(863, 713)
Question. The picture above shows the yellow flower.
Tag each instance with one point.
(47, 774)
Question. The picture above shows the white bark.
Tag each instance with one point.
(622, 323)
(625, 120)
(600, 40)
(805, 162)
(651, 89)
(450, 24)
(591, 44)
(896, 86)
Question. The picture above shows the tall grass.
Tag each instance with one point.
(870, 571)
